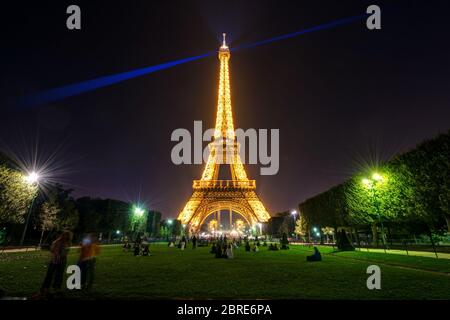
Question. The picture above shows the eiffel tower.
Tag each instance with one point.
(211, 195)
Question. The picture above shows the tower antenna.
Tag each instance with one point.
(224, 44)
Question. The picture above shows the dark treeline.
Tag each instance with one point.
(405, 197)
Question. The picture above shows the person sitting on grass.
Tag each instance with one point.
(137, 249)
(255, 248)
(315, 257)
(145, 248)
(126, 245)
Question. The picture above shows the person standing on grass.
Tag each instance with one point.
(88, 252)
(229, 252)
(57, 265)
(194, 242)
(183, 242)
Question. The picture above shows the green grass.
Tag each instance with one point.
(174, 274)
(417, 262)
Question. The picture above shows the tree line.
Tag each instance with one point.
(52, 209)
(408, 195)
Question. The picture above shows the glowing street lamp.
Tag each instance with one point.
(138, 212)
(170, 221)
(118, 232)
(138, 217)
(31, 179)
(377, 177)
(294, 215)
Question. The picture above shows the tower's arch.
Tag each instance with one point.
(233, 206)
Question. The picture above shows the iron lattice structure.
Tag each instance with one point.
(210, 194)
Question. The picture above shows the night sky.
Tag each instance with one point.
(341, 97)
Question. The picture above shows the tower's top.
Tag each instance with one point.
(224, 46)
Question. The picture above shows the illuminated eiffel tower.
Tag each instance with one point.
(210, 194)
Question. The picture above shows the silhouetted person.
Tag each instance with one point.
(315, 257)
(87, 262)
(247, 246)
(194, 242)
(57, 265)
(145, 249)
(229, 252)
(136, 249)
(126, 245)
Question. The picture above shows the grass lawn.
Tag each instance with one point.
(174, 274)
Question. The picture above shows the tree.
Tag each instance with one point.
(379, 196)
(48, 217)
(343, 243)
(104, 216)
(15, 195)
(300, 227)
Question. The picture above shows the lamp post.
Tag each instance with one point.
(170, 222)
(372, 184)
(138, 213)
(31, 179)
(294, 215)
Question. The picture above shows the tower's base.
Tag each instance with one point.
(206, 202)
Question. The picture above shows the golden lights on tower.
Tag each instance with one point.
(224, 149)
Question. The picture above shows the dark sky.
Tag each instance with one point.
(341, 97)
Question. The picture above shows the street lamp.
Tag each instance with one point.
(372, 184)
(294, 214)
(138, 212)
(32, 179)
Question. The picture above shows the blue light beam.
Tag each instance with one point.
(60, 93)
(71, 90)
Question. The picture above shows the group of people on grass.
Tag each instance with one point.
(90, 249)
(141, 246)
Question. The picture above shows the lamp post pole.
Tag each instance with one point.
(22, 239)
(31, 179)
(294, 215)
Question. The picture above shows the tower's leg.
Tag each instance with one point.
(231, 220)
